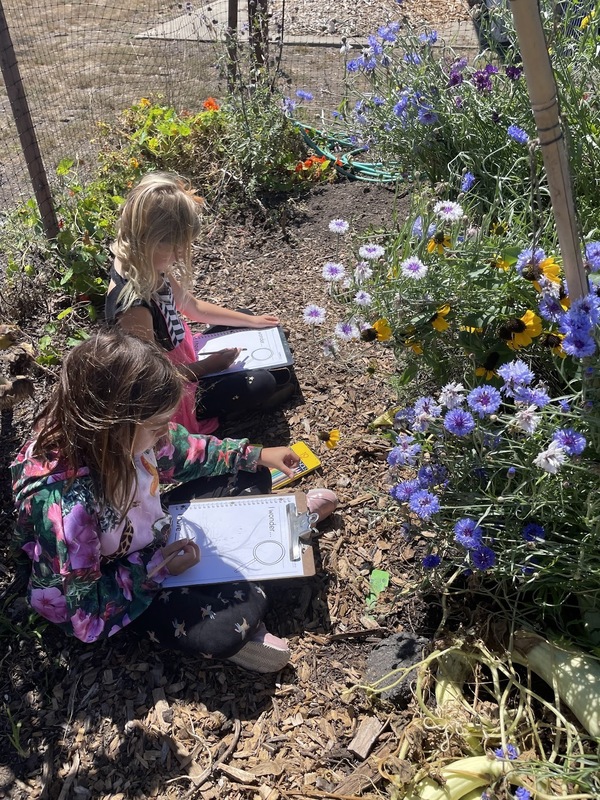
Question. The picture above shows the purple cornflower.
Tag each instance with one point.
(572, 442)
(428, 407)
(338, 226)
(483, 558)
(455, 78)
(448, 211)
(330, 348)
(424, 504)
(417, 228)
(549, 308)
(405, 453)
(468, 533)
(333, 272)
(510, 752)
(403, 491)
(565, 406)
(467, 182)
(414, 268)
(578, 345)
(431, 561)
(515, 374)
(459, 422)
(431, 475)
(484, 400)
(346, 331)
(529, 258)
(371, 252)
(426, 115)
(288, 105)
(517, 134)
(314, 315)
(592, 256)
(303, 95)
(482, 81)
(363, 298)
(513, 73)
(533, 531)
(362, 272)
(522, 793)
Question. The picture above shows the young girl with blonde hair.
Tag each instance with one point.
(90, 516)
(149, 296)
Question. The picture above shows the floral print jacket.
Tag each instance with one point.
(89, 567)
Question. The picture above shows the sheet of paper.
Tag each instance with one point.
(265, 348)
(239, 539)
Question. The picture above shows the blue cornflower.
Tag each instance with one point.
(424, 504)
(428, 38)
(431, 561)
(467, 182)
(529, 258)
(570, 440)
(522, 793)
(428, 407)
(483, 558)
(385, 60)
(288, 105)
(369, 64)
(405, 453)
(484, 400)
(427, 115)
(404, 415)
(377, 101)
(403, 491)
(515, 373)
(412, 58)
(579, 345)
(401, 105)
(431, 475)
(517, 134)
(386, 34)
(459, 422)
(375, 45)
(509, 752)
(303, 95)
(468, 533)
(533, 531)
(549, 308)
(533, 397)
(511, 471)
(592, 256)
(353, 65)
(565, 406)
(589, 305)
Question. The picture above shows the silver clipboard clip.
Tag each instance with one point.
(301, 524)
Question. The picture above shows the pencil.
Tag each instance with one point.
(163, 564)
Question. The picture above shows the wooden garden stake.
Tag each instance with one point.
(25, 129)
(543, 96)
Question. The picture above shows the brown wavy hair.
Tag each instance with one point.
(161, 209)
(108, 386)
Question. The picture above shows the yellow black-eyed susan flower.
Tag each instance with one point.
(519, 333)
(438, 321)
(487, 370)
(547, 268)
(553, 341)
(439, 242)
(383, 330)
(499, 263)
(499, 228)
(330, 438)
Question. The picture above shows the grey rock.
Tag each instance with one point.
(399, 651)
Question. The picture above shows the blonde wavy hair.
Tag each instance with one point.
(161, 209)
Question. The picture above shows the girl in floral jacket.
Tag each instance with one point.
(90, 516)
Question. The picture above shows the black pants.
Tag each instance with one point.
(212, 621)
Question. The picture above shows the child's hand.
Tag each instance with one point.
(282, 458)
(180, 555)
(216, 362)
(263, 321)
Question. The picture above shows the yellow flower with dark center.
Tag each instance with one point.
(553, 341)
(415, 346)
(487, 369)
(439, 242)
(499, 228)
(587, 19)
(499, 263)
(331, 438)
(547, 268)
(438, 320)
(470, 329)
(383, 330)
(519, 333)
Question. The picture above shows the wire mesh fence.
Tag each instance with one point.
(84, 62)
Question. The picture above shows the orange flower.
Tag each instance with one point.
(210, 104)
(144, 102)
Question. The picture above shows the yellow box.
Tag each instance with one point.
(308, 462)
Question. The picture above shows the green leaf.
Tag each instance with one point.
(379, 581)
(65, 313)
(64, 166)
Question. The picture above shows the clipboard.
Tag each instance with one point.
(263, 348)
(250, 538)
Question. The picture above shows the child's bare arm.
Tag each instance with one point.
(137, 320)
(212, 314)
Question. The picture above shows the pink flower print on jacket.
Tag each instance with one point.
(86, 627)
(33, 550)
(196, 449)
(125, 581)
(81, 536)
(50, 603)
(55, 516)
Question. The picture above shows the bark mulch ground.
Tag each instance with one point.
(121, 720)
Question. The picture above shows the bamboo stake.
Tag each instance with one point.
(544, 104)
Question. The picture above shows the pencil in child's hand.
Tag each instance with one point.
(163, 564)
(213, 352)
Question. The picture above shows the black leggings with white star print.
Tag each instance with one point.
(212, 621)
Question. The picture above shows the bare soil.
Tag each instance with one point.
(122, 720)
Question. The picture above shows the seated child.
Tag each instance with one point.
(157, 225)
(90, 515)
